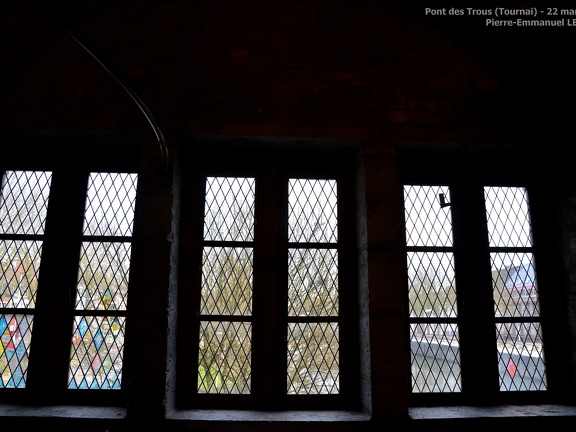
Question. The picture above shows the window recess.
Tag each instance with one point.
(23, 205)
(273, 291)
(103, 276)
(66, 224)
(433, 305)
(476, 332)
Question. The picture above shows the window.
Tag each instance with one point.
(23, 204)
(474, 300)
(102, 288)
(433, 306)
(273, 288)
(65, 249)
(521, 364)
(484, 279)
(313, 294)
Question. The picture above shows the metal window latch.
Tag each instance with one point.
(443, 202)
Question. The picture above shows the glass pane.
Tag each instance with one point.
(508, 217)
(312, 282)
(19, 265)
(435, 358)
(432, 288)
(110, 203)
(229, 210)
(224, 359)
(96, 354)
(520, 357)
(24, 201)
(103, 276)
(313, 358)
(16, 332)
(514, 283)
(227, 281)
(427, 222)
(312, 211)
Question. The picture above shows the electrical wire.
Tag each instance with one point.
(81, 39)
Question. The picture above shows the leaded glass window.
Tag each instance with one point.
(23, 207)
(313, 294)
(452, 307)
(261, 266)
(433, 307)
(101, 302)
(521, 364)
(225, 342)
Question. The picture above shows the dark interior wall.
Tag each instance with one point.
(345, 70)
(385, 77)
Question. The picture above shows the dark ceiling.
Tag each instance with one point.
(533, 62)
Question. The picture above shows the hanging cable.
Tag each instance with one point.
(82, 40)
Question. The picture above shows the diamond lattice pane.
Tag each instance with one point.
(435, 358)
(19, 266)
(224, 359)
(427, 222)
(514, 283)
(313, 358)
(110, 203)
(312, 211)
(16, 333)
(97, 353)
(24, 201)
(432, 288)
(520, 357)
(227, 281)
(229, 209)
(312, 282)
(103, 276)
(508, 217)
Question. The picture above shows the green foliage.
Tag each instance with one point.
(428, 297)
(225, 347)
(224, 351)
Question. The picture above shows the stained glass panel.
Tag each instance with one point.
(97, 353)
(15, 333)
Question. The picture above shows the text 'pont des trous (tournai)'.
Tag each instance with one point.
(508, 17)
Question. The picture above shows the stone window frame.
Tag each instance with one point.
(259, 157)
(71, 157)
(467, 171)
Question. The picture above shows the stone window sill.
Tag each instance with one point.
(64, 411)
(268, 417)
(466, 412)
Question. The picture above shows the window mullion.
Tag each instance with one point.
(270, 285)
(51, 336)
(474, 286)
(550, 297)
